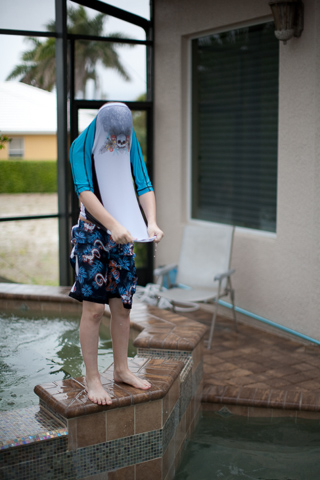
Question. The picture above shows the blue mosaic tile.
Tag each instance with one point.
(170, 426)
(185, 393)
(57, 467)
(26, 426)
(180, 355)
(39, 450)
(197, 377)
(118, 453)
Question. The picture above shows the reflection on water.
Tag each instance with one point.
(236, 447)
(36, 350)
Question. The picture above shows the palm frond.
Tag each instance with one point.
(38, 66)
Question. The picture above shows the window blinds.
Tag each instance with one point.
(235, 127)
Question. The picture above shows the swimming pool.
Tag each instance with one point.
(36, 349)
(229, 447)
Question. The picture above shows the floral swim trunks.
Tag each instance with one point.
(103, 268)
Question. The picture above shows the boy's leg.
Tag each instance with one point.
(120, 331)
(89, 338)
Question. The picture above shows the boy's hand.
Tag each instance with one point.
(155, 231)
(120, 234)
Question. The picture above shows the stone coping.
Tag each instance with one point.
(166, 330)
(19, 291)
(69, 398)
(262, 397)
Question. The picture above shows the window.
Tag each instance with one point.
(235, 127)
(16, 147)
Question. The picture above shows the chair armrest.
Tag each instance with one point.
(226, 274)
(164, 270)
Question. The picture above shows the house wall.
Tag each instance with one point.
(40, 147)
(277, 276)
(4, 152)
(36, 147)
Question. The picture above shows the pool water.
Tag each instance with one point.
(40, 349)
(234, 447)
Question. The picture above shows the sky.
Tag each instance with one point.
(34, 14)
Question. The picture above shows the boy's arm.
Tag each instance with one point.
(148, 204)
(118, 232)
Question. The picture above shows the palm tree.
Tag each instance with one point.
(38, 67)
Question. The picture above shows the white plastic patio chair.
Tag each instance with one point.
(203, 272)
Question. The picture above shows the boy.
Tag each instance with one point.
(103, 159)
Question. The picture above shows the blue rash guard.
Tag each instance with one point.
(103, 160)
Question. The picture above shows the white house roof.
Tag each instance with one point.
(29, 110)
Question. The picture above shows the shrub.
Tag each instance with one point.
(28, 176)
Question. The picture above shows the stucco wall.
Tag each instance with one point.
(40, 147)
(4, 152)
(277, 276)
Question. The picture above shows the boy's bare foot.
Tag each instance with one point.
(96, 392)
(131, 379)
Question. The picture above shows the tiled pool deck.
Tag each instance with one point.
(244, 370)
(258, 368)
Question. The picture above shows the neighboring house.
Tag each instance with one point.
(28, 115)
(237, 122)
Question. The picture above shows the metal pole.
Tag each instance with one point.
(149, 126)
(62, 138)
(74, 128)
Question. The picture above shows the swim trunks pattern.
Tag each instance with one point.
(103, 268)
